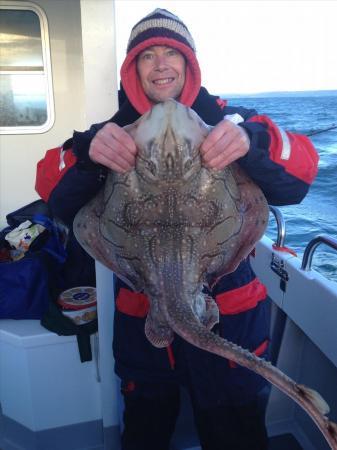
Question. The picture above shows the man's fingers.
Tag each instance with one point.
(117, 164)
(111, 130)
(113, 148)
(226, 143)
(121, 162)
(233, 152)
(216, 134)
(220, 147)
(220, 162)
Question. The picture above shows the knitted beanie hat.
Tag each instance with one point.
(159, 28)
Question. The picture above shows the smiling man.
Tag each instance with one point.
(162, 72)
(228, 401)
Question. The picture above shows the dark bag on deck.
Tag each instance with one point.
(24, 283)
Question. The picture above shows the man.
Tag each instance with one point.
(228, 401)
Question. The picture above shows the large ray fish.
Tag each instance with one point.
(171, 226)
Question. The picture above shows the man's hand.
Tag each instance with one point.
(114, 148)
(225, 143)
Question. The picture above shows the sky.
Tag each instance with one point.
(251, 46)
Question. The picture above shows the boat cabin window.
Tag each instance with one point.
(26, 101)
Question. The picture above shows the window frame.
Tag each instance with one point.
(46, 59)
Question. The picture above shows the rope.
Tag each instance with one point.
(323, 130)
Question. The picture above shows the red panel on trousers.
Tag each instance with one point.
(132, 303)
(241, 299)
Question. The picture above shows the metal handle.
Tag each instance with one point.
(311, 247)
(281, 226)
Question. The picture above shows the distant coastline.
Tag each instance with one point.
(324, 93)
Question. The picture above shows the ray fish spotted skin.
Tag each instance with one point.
(171, 226)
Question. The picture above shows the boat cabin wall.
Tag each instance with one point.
(77, 62)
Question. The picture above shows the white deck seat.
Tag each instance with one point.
(43, 383)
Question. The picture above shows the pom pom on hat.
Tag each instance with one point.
(164, 29)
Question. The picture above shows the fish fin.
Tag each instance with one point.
(317, 400)
(87, 232)
(332, 426)
(211, 316)
(160, 335)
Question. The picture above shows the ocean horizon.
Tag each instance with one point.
(311, 93)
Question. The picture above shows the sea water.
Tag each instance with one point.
(317, 213)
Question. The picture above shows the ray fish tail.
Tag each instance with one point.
(185, 323)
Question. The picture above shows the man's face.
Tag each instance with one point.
(161, 71)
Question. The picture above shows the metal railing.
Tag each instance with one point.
(281, 226)
(311, 247)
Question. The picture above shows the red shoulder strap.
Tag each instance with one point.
(51, 169)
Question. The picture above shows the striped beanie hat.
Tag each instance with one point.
(159, 28)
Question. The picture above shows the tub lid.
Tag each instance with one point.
(78, 297)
